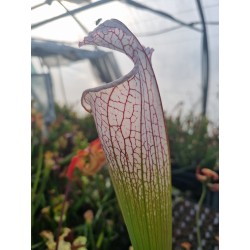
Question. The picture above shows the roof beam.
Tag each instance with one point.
(38, 5)
(73, 16)
(71, 12)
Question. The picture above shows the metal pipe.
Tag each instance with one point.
(71, 12)
(205, 61)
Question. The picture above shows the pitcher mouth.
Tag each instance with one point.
(112, 84)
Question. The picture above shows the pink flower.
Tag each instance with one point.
(89, 161)
(207, 175)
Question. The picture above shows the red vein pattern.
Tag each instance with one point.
(129, 118)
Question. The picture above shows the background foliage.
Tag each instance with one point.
(91, 208)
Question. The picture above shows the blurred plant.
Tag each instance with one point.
(186, 245)
(89, 161)
(79, 243)
(51, 155)
(130, 122)
(207, 177)
(85, 123)
(194, 141)
(50, 160)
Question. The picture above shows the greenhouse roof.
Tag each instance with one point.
(186, 68)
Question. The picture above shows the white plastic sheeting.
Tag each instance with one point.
(176, 59)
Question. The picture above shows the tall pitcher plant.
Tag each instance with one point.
(130, 122)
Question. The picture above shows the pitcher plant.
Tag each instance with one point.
(130, 122)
